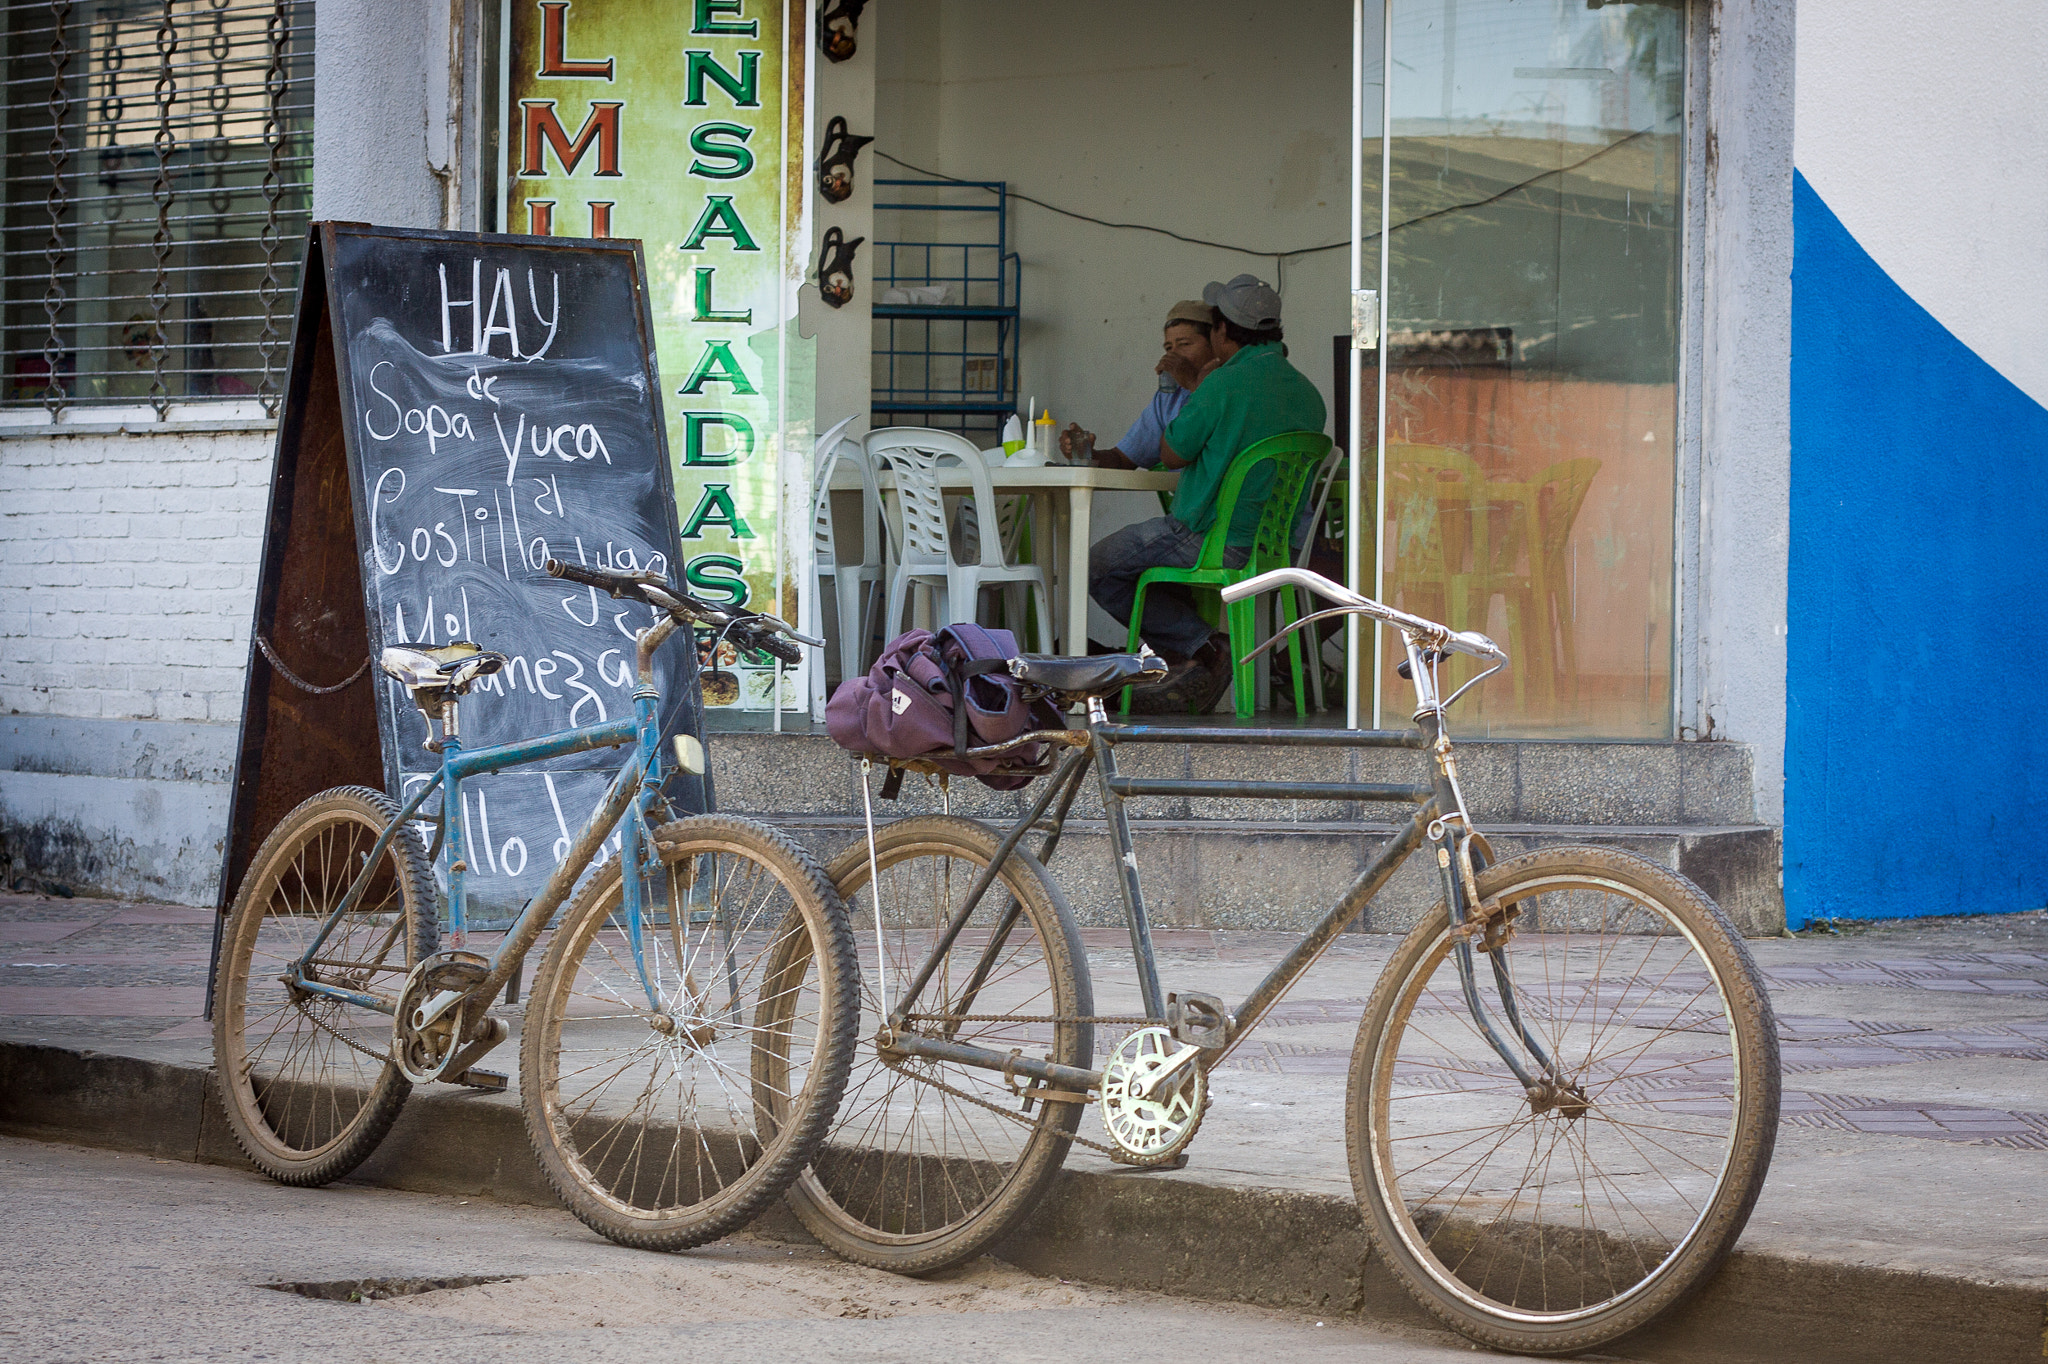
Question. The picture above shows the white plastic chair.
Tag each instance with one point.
(925, 552)
(851, 583)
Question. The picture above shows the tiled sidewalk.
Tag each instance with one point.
(1915, 1101)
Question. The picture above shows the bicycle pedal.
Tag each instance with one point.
(491, 1081)
(1198, 1020)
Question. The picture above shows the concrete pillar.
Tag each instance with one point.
(1745, 476)
(381, 110)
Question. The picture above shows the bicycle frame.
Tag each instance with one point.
(1450, 833)
(636, 787)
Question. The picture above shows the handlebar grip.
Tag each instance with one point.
(618, 584)
(765, 641)
(1475, 644)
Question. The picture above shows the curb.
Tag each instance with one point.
(1274, 1248)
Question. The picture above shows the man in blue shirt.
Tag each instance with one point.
(1188, 353)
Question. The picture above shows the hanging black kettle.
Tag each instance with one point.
(835, 267)
(837, 20)
(835, 162)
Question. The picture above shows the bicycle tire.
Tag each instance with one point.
(1674, 1117)
(910, 1178)
(758, 1040)
(303, 1104)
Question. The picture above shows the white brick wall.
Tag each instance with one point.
(128, 572)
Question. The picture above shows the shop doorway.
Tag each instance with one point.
(1516, 277)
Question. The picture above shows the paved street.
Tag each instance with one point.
(119, 1257)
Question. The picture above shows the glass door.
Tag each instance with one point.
(1521, 393)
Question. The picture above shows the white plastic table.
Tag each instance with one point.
(1068, 559)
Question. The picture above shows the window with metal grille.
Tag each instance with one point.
(158, 180)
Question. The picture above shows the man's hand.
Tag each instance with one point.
(1180, 368)
(1076, 445)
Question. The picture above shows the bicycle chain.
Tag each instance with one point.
(347, 1041)
(1029, 1018)
(1114, 1153)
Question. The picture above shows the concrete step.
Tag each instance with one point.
(1213, 863)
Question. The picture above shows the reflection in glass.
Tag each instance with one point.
(1532, 348)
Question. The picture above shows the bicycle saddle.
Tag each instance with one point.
(1093, 675)
(451, 667)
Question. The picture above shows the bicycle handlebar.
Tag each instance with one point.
(750, 630)
(1469, 642)
(618, 584)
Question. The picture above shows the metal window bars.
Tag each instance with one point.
(157, 173)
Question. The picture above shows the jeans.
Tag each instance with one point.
(1172, 625)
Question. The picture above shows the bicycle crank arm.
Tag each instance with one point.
(1010, 1063)
(1167, 1075)
(495, 1031)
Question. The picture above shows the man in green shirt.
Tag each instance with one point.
(1248, 393)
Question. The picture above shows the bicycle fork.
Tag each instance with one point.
(1453, 836)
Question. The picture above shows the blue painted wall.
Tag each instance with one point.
(1916, 768)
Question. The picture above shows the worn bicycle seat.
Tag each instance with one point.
(450, 667)
(1093, 675)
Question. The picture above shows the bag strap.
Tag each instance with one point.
(969, 650)
(957, 674)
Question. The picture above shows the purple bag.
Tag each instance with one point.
(934, 696)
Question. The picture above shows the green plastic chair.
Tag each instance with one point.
(1295, 456)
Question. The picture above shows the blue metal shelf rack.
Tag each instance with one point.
(950, 365)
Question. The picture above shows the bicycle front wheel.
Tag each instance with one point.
(1555, 1218)
(674, 1080)
(306, 1079)
(928, 1162)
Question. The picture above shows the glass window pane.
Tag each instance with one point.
(1532, 350)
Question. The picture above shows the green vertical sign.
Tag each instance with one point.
(680, 122)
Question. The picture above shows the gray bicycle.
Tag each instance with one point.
(1563, 1094)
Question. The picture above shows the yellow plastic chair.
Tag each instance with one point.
(1294, 457)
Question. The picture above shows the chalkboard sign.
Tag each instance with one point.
(498, 404)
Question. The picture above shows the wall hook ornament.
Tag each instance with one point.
(835, 162)
(835, 267)
(837, 20)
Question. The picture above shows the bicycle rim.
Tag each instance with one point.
(306, 1078)
(927, 1163)
(1563, 1219)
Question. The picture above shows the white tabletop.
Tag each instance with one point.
(1032, 478)
(1068, 565)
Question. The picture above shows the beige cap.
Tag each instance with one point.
(1191, 310)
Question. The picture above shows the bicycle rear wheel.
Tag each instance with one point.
(306, 1079)
(664, 1123)
(927, 1162)
(1553, 1220)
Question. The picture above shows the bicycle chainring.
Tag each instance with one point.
(423, 1054)
(1155, 1128)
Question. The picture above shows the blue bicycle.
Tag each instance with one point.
(688, 1034)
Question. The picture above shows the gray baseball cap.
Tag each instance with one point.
(1246, 300)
